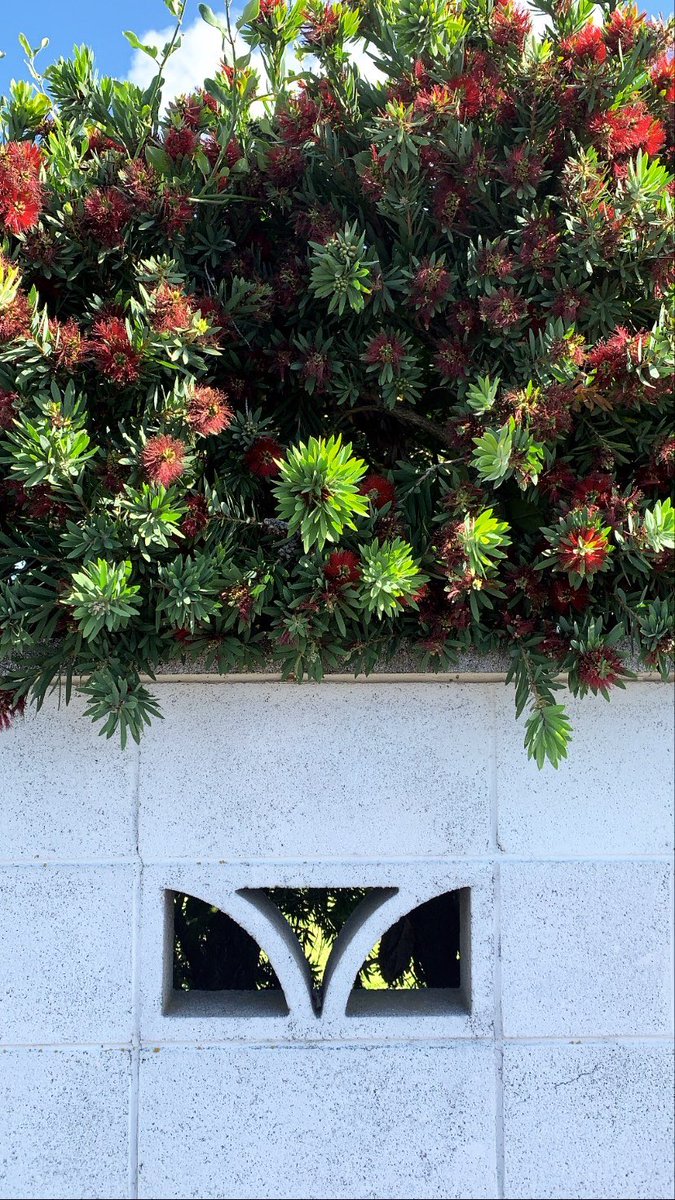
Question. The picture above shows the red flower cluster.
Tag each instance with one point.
(164, 459)
(197, 516)
(7, 408)
(21, 191)
(451, 359)
(261, 457)
(510, 25)
(69, 348)
(385, 350)
(583, 551)
(378, 489)
(600, 669)
(503, 309)
(620, 133)
(180, 141)
(113, 352)
(430, 287)
(172, 309)
(106, 214)
(209, 412)
(342, 568)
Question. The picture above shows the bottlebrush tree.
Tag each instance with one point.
(318, 362)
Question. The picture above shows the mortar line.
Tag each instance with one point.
(197, 1042)
(135, 987)
(486, 859)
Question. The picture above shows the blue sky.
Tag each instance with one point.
(100, 23)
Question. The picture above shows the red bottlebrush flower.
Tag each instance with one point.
(141, 184)
(285, 165)
(7, 409)
(503, 309)
(585, 48)
(583, 551)
(268, 8)
(113, 353)
(10, 708)
(288, 284)
(611, 359)
(239, 596)
(106, 213)
(429, 287)
(385, 350)
(463, 317)
(373, 179)
(623, 131)
(495, 260)
(177, 213)
(600, 669)
(317, 224)
(379, 490)
(622, 28)
(197, 517)
(20, 212)
(522, 169)
(342, 568)
(164, 459)
(69, 348)
(209, 412)
(172, 310)
(510, 25)
(261, 458)
(15, 318)
(321, 25)
(316, 369)
(297, 122)
(596, 488)
(662, 75)
(180, 142)
(564, 597)
(99, 143)
(539, 246)
(21, 192)
(568, 304)
(451, 359)
(449, 203)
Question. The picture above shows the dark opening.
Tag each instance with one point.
(217, 967)
(425, 951)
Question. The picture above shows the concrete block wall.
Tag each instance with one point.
(551, 1077)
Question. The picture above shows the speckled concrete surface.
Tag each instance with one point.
(418, 787)
(65, 953)
(593, 1121)
(612, 795)
(70, 793)
(381, 771)
(64, 1124)
(308, 1122)
(586, 949)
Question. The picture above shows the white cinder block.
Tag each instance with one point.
(349, 1121)
(470, 1015)
(269, 770)
(65, 954)
(64, 1124)
(588, 1121)
(65, 792)
(613, 794)
(585, 949)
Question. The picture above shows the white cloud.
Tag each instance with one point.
(195, 61)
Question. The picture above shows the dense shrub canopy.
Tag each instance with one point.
(314, 363)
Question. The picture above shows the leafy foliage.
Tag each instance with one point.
(312, 364)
